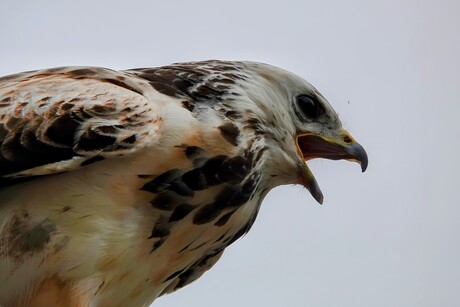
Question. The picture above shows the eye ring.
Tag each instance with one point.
(309, 106)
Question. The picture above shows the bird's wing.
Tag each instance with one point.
(61, 119)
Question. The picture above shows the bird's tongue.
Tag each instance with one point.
(311, 146)
(308, 181)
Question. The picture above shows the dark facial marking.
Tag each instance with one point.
(230, 132)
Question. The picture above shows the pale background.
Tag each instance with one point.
(389, 237)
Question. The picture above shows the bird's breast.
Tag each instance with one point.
(172, 210)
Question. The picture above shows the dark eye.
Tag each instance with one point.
(309, 106)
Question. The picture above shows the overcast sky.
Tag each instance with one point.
(389, 237)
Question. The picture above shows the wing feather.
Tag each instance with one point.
(61, 119)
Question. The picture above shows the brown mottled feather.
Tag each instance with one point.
(91, 111)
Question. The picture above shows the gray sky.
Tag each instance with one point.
(389, 237)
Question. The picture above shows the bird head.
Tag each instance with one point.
(284, 119)
(300, 125)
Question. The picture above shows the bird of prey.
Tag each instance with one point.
(117, 187)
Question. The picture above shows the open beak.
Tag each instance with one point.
(312, 146)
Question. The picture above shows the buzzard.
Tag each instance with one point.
(117, 187)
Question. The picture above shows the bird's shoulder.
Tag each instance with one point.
(61, 119)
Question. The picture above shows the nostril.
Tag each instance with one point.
(347, 139)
